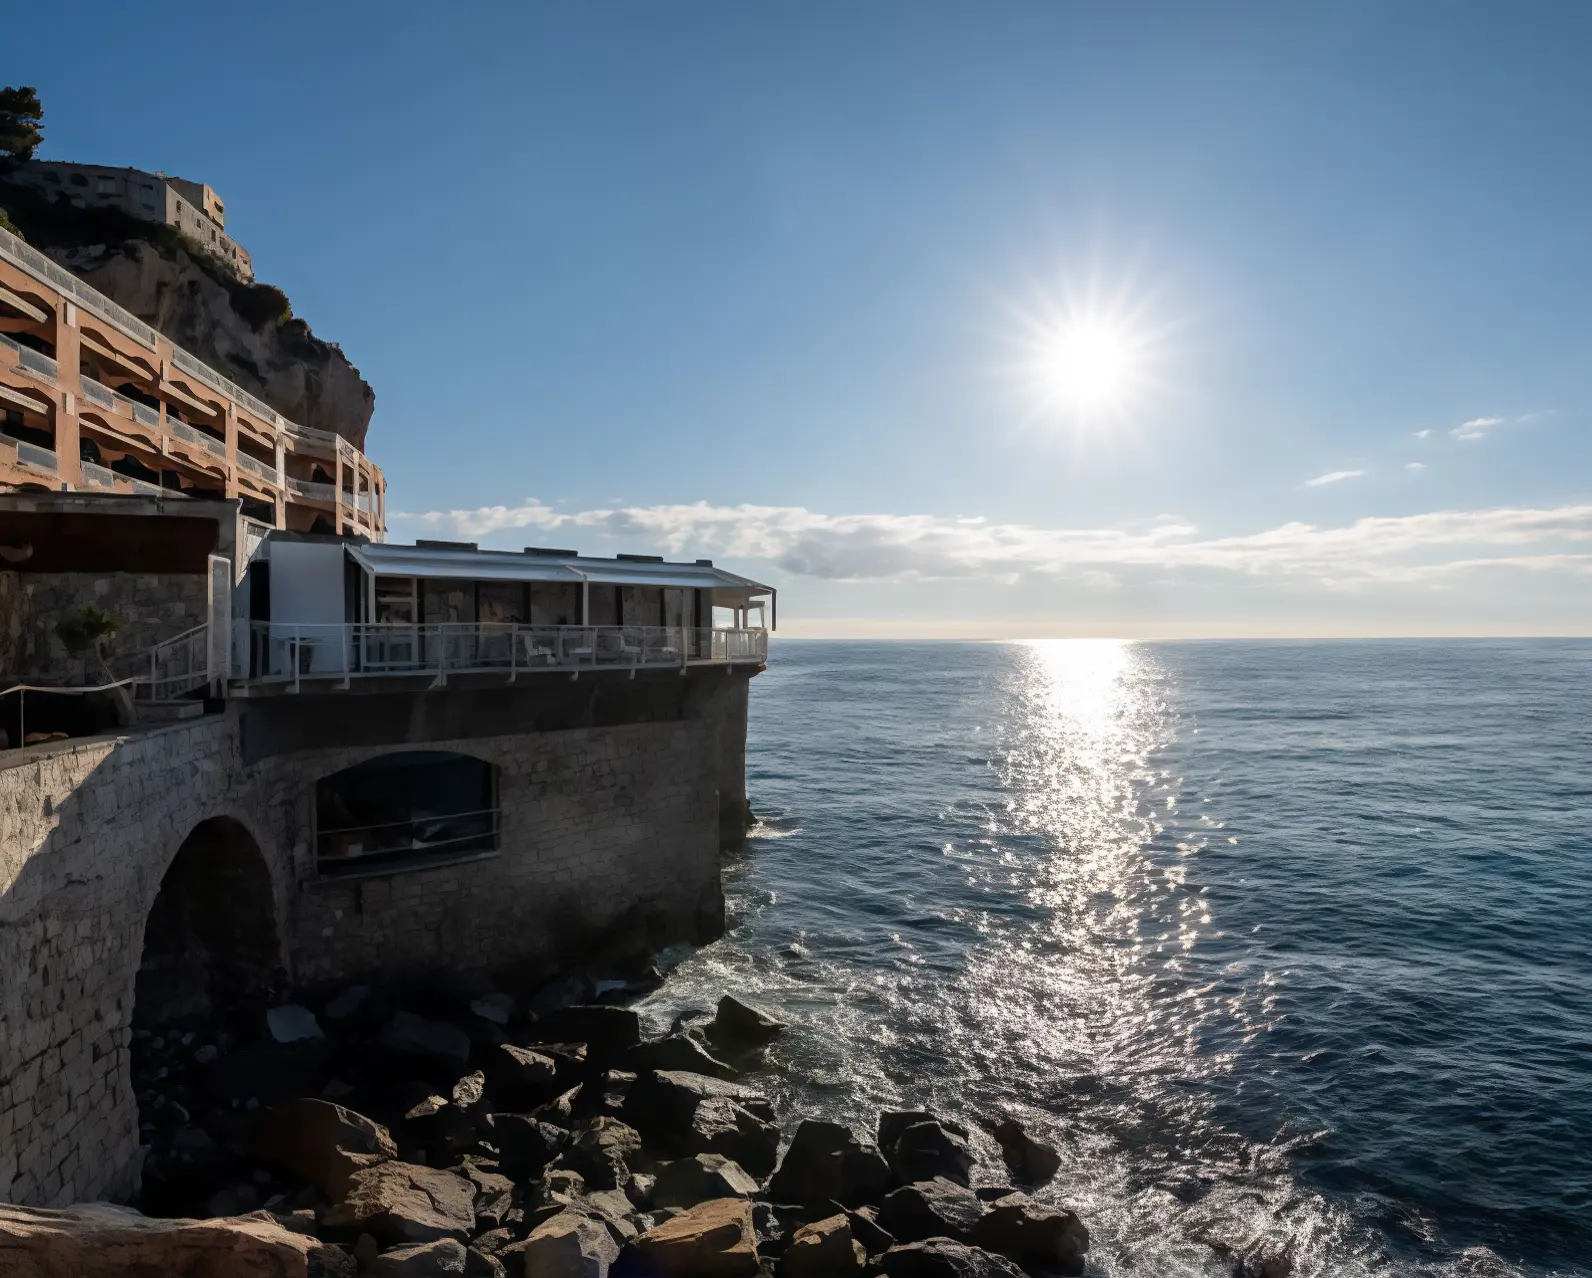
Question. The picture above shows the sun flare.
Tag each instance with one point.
(1090, 365)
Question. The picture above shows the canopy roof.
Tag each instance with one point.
(461, 563)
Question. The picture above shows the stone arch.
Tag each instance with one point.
(211, 948)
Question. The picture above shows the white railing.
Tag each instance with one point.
(29, 360)
(98, 476)
(188, 434)
(313, 490)
(96, 393)
(282, 652)
(170, 669)
(41, 267)
(39, 458)
(256, 467)
(366, 502)
(142, 413)
(201, 370)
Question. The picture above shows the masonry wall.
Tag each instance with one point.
(152, 606)
(610, 839)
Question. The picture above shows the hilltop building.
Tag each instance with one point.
(192, 209)
(94, 399)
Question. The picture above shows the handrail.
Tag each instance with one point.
(70, 690)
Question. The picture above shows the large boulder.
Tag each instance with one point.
(524, 1144)
(893, 1122)
(937, 1208)
(827, 1163)
(520, 1076)
(945, 1258)
(662, 1103)
(715, 1239)
(322, 1143)
(688, 1181)
(723, 1126)
(823, 1249)
(444, 1258)
(430, 1040)
(401, 1203)
(568, 1245)
(1035, 1236)
(926, 1150)
(603, 1151)
(606, 1031)
(739, 1027)
(1031, 1162)
(678, 1052)
(98, 1240)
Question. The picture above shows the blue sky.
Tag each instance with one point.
(780, 284)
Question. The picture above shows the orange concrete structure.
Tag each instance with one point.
(92, 398)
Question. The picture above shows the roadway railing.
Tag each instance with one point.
(282, 652)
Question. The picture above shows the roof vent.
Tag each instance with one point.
(445, 545)
(704, 563)
(641, 559)
(548, 550)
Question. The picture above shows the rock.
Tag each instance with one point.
(560, 1111)
(469, 1093)
(739, 1027)
(926, 1150)
(524, 1067)
(893, 1122)
(561, 991)
(662, 1103)
(443, 1129)
(1033, 1235)
(443, 1258)
(290, 1023)
(268, 1073)
(676, 1052)
(603, 1150)
(823, 1249)
(722, 1126)
(826, 1162)
(945, 1258)
(366, 1249)
(616, 1209)
(349, 1003)
(1264, 1265)
(494, 1194)
(497, 1008)
(606, 1031)
(937, 1208)
(524, 1145)
(322, 1143)
(569, 1245)
(865, 1228)
(712, 1240)
(98, 1240)
(482, 1264)
(605, 1095)
(1030, 1162)
(436, 1040)
(640, 1190)
(401, 1203)
(688, 1181)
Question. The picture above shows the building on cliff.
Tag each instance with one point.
(94, 399)
(192, 209)
(345, 758)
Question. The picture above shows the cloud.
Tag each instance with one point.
(1414, 465)
(873, 547)
(1333, 477)
(1476, 427)
(1422, 434)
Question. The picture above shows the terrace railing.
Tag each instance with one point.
(41, 267)
(189, 435)
(280, 652)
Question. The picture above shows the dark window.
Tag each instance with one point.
(397, 809)
(79, 180)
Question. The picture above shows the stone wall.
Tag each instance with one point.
(152, 606)
(609, 836)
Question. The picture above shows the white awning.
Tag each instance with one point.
(498, 565)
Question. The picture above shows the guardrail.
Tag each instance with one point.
(36, 264)
(281, 652)
(171, 668)
(39, 458)
(189, 435)
(30, 360)
(256, 467)
(312, 489)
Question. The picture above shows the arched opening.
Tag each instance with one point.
(210, 945)
(211, 965)
(412, 807)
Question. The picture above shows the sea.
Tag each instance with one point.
(1286, 945)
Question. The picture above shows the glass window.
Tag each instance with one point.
(417, 805)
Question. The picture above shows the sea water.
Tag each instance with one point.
(1285, 945)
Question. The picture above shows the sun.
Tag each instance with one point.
(1090, 366)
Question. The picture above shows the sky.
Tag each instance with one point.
(985, 320)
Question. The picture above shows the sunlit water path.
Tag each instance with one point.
(1282, 943)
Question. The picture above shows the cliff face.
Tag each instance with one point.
(231, 328)
(246, 331)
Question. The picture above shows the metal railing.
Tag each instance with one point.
(282, 652)
(29, 360)
(189, 435)
(91, 299)
(98, 476)
(142, 413)
(96, 393)
(39, 458)
(256, 467)
(312, 489)
(170, 669)
(257, 407)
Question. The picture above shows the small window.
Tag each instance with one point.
(414, 807)
(106, 185)
(54, 178)
(79, 180)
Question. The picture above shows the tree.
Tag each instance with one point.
(21, 124)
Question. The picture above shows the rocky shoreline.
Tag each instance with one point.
(434, 1128)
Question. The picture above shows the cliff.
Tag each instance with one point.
(246, 331)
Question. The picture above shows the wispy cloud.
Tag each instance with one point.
(925, 547)
(1414, 465)
(1478, 427)
(1333, 477)
(1422, 434)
